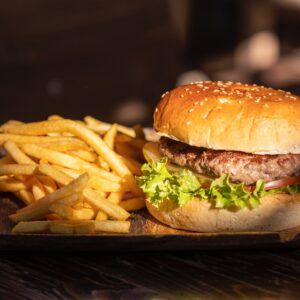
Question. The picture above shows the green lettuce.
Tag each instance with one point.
(159, 184)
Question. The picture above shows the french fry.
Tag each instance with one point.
(84, 154)
(31, 227)
(112, 226)
(26, 196)
(72, 173)
(65, 227)
(115, 197)
(38, 190)
(110, 135)
(70, 213)
(111, 209)
(13, 185)
(101, 216)
(55, 174)
(102, 127)
(15, 169)
(27, 139)
(40, 208)
(68, 161)
(49, 183)
(102, 163)
(106, 185)
(17, 154)
(65, 145)
(65, 175)
(70, 200)
(69, 227)
(133, 204)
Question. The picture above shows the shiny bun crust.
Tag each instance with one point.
(276, 212)
(231, 116)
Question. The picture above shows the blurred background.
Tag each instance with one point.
(114, 59)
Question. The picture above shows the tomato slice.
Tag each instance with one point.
(282, 182)
(275, 184)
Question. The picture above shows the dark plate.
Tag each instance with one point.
(146, 234)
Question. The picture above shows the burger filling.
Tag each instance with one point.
(240, 166)
(228, 179)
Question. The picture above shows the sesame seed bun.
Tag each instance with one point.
(231, 116)
(277, 212)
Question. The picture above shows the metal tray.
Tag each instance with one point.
(146, 234)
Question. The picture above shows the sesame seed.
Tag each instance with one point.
(216, 91)
(198, 92)
(163, 95)
(190, 92)
(266, 105)
(191, 110)
(201, 103)
(196, 103)
(223, 100)
(205, 99)
(187, 89)
(181, 95)
(188, 123)
(156, 109)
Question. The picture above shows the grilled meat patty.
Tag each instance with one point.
(241, 166)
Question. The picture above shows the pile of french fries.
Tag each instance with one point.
(74, 177)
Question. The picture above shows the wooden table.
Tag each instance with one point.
(258, 274)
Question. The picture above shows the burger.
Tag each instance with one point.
(228, 159)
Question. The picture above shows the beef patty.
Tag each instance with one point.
(241, 166)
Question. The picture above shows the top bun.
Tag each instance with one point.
(231, 116)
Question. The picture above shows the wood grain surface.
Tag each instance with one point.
(171, 275)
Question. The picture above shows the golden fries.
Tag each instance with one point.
(102, 127)
(31, 227)
(16, 169)
(40, 208)
(17, 154)
(38, 190)
(110, 135)
(70, 213)
(112, 226)
(65, 227)
(111, 209)
(72, 227)
(74, 177)
(68, 161)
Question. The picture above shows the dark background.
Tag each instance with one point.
(113, 59)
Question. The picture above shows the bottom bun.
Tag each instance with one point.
(276, 212)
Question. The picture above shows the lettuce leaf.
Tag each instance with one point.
(159, 184)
